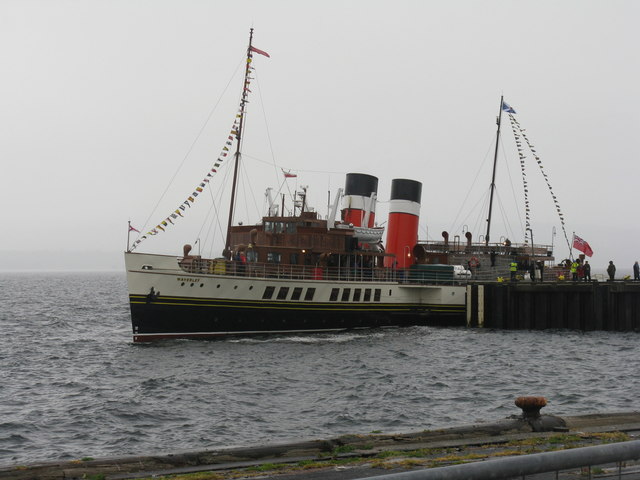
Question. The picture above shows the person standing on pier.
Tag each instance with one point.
(580, 271)
(587, 272)
(611, 270)
(574, 271)
(636, 272)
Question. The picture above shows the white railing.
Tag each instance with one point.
(310, 272)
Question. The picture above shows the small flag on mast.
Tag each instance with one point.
(507, 108)
(261, 52)
(289, 174)
(581, 245)
(132, 229)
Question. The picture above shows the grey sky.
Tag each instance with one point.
(102, 101)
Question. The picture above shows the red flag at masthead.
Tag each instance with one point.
(261, 52)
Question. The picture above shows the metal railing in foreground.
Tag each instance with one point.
(537, 463)
(309, 272)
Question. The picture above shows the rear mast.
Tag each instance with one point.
(493, 177)
(237, 155)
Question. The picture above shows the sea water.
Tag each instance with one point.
(73, 385)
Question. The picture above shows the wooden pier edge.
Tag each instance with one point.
(586, 306)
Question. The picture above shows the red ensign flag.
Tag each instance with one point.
(580, 244)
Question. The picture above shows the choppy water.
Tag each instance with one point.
(73, 385)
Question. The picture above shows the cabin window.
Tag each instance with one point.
(296, 293)
(282, 293)
(293, 259)
(268, 227)
(367, 294)
(291, 228)
(376, 295)
(268, 293)
(345, 295)
(273, 257)
(309, 295)
(334, 294)
(356, 294)
(278, 227)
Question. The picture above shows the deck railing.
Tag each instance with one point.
(310, 272)
(499, 273)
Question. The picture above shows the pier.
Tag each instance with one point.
(587, 306)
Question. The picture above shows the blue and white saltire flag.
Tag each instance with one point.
(507, 108)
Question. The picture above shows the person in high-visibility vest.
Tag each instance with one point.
(513, 268)
(574, 271)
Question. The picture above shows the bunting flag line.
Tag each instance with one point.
(234, 135)
(519, 133)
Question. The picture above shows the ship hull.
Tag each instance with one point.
(167, 302)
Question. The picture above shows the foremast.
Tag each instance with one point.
(237, 155)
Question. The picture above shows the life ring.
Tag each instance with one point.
(474, 262)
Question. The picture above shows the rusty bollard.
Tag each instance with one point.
(531, 406)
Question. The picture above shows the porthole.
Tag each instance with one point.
(201, 285)
(250, 287)
(182, 284)
(192, 284)
(235, 287)
(218, 286)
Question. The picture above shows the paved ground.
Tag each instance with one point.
(359, 456)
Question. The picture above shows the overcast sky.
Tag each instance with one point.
(103, 101)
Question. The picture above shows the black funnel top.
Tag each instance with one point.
(360, 184)
(404, 189)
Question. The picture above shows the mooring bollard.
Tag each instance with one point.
(531, 406)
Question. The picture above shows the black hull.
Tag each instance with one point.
(174, 317)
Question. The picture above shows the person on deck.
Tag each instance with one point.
(636, 272)
(587, 272)
(541, 267)
(513, 268)
(611, 270)
(532, 271)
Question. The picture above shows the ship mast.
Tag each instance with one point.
(493, 177)
(243, 102)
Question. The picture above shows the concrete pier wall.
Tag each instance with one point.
(613, 306)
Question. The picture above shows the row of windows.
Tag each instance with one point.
(357, 294)
(296, 294)
(281, 227)
(284, 292)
